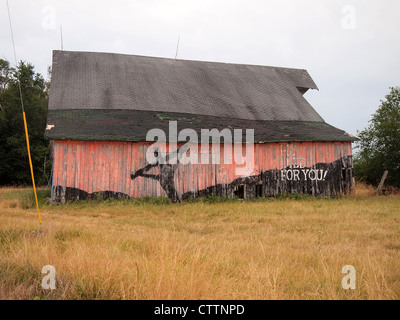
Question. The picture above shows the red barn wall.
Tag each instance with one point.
(119, 169)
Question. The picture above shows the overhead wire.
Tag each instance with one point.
(24, 117)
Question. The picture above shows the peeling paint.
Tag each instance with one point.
(82, 170)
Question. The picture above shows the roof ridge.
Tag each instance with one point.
(185, 60)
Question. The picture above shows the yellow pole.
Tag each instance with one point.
(30, 164)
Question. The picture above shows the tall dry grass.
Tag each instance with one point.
(266, 249)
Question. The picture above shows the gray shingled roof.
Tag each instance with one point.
(108, 81)
(106, 97)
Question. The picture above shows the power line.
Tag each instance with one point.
(24, 117)
(15, 55)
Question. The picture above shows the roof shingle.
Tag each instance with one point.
(107, 96)
(91, 80)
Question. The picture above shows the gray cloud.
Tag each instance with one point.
(352, 67)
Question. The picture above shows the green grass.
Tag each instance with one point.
(26, 197)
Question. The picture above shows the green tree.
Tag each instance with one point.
(14, 165)
(379, 145)
(4, 79)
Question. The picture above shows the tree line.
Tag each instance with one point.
(377, 150)
(14, 165)
(379, 146)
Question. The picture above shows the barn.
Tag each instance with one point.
(102, 107)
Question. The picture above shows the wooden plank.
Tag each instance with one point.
(379, 189)
(87, 167)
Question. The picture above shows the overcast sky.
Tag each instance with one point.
(350, 48)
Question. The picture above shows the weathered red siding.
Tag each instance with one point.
(91, 167)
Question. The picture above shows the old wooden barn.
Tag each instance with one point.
(102, 106)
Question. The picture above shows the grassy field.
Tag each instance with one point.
(151, 249)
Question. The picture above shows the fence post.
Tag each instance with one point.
(378, 190)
